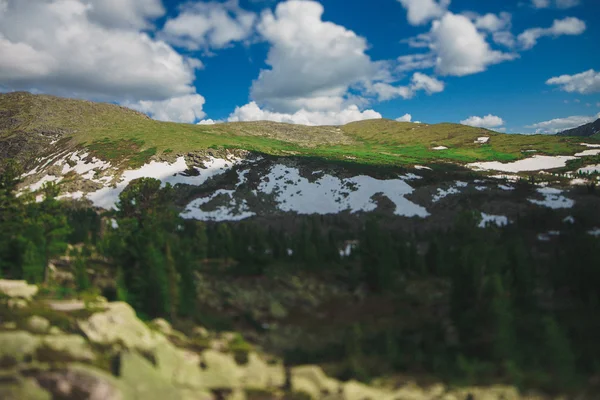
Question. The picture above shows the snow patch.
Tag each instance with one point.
(422, 167)
(534, 163)
(586, 153)
(499, 220)
(441, 193)
(552, 199)
(48, 178)
(440, 148)
(594, 232)
(590, 169)
(330, 194)
(222, 213)
(482, 139)
(107, 197)
(505, 187)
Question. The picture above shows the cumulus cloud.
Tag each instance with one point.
(493, 23)
(404, 118)
(560, 124)
(460, 48)
(554, 3)
(565, 26)
(186, 108)
(419, 81)
(82, 48)
(209, 25)
(426, 83)
(585, 82)
(423, 11)
(489, 121)
(312, 62)
(209, 122)
(252, 112)
(134, 14)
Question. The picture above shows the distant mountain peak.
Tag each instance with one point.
(586, 130)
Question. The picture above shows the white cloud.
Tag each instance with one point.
(494, 23)
(554, 3)
(186, 108)
(415, 61)
(419, 82)
(560, 124)
(489, 121)
(312, 62)
(585, 82)
(460, 48)
(209, 25)
(209, 122)
(540, 3)
(252, 112)
(428, 84)
(404, 118)
(82, 49)
(134, 14)
(423, 11)
(565, 26)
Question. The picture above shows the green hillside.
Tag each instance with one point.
(113, 131)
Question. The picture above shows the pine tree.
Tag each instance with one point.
(173, 278)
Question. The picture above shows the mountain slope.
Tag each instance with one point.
(34, 125)
(586, 130)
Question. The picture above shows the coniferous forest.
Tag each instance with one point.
(504, 307)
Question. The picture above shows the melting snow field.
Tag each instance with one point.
(590, 169)
(534, 163)
(499, 220)
(330, 194)
(107, 197)
(222, 213)
(482, 140)
(440, 148)
(552, 199)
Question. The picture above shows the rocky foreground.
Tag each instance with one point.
(94, 349)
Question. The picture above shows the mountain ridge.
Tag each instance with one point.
(586, 130)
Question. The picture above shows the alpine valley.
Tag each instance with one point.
(374, 260)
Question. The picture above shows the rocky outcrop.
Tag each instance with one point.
(110, 354)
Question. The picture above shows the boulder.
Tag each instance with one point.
(162, 325)
(17, 289)
(258, 374)
(66, 348)
(37, 324)
(219, 371)
(118, 325)
(353, 390)
(17, 303)
(19, 388)
(83, 382)
(17, 347)
(311, 380)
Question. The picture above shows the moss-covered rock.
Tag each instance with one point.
(65, 348)
(17, 347)
(37, 324)
(20, 289)
(119, 325)
(19, 388)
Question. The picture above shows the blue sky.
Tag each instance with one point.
(516, 66)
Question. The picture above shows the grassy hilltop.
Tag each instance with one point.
(112, 131)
